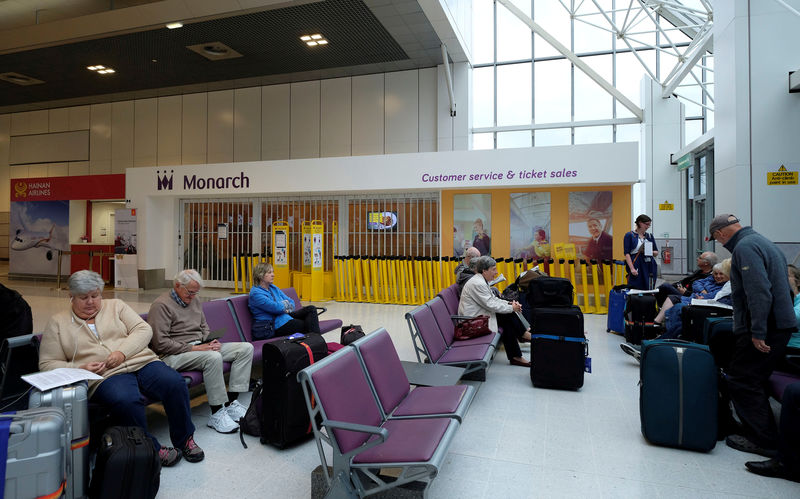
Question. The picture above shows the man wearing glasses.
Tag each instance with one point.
(182, 339)
(763, 321)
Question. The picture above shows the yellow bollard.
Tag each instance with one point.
(438, 277)
(419, 286)
(357, 266)
(350, 275)
(607, 281)
(235, 276)
(366, 270)
(393, 280)
(600, 305)
(571, 265)
(560, 268)
(586, 308)
(382, 263)
(427, 264)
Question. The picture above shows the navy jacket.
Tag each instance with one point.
(760, 292)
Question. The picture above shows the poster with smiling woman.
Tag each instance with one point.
(590, 224)
(472, 221)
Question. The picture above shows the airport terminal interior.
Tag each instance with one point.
(151, 136)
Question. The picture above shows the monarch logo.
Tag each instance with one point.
(164, 180)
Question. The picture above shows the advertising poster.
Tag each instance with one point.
(126, 274)
(472, 222)
(38, 229)
(590, 224)
(529, 220)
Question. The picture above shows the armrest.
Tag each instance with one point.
(462, 317)
(321, 310)
(381, 433)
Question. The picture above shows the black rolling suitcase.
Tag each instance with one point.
(285, 417)
(559, 349)
(693, 319)
(127, 465)
(640, 312)
(678, 395)
(718, 335)
(550, 292)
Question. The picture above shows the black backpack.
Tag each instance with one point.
(250, 423)
(351, 333)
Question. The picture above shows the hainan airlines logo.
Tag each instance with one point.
(20, 190)
(164, 180)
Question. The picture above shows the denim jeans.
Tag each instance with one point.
(122, 394)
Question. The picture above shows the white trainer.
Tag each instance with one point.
(222, 422)
(236, 410)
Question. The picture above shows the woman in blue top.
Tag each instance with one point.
(793, 347)
(269, 304)
(642, 268)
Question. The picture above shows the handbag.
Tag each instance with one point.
(472, 328)
(351, 333)
(262, 330)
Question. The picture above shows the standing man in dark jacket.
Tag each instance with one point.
(763, 321)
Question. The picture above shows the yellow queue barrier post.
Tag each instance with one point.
(571, 267)
(619, 273)
(236, 277)
(393, 280)
(374, 268)
(350, 276)
(447, 274)
(584, 288)
(438, 283)
(419, 285)
(359, 280)
(385, 287)
(409, 266)
(600, 305)
(366, 278)
(280, 254)
(317, 292)
(337, 275)
(428, 266)
(402, 281)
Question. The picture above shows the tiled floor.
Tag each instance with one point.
(516, 441)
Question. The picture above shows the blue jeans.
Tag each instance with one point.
(122, 394)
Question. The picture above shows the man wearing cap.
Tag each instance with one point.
(763, 321)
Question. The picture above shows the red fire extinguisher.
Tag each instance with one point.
(666, 255)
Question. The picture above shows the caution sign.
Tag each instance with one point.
(782, 177)
(666, 206)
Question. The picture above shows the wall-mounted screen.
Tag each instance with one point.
(382, 220)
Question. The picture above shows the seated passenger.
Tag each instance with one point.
(466, 269)
(180, 334)
(705, 262)
(83, 336)
(793, 347)
(477, 298)
(269, 304)
(717, 287)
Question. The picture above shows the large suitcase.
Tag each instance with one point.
(127, 465)
(640, 312)
(19, 355)
(678, 395)
(550, 292)
(615, 322)
(36, 460)
(718, 335)
(559, 349)
(73, 400)
(285, 417)
(693, 318)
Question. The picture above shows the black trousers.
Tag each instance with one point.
(512, 330)
(747, 378)
(304, 320)
(789, 445)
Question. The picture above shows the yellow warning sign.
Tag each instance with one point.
(666, 206)
(782, 177)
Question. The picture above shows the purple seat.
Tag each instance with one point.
(429, 342)
(778, 383)
(393, 391)
(324, 325)
(359, 435)
(244, 318)
(450, 297)
(445, 322)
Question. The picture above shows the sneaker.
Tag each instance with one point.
(192, 452)
(222, 422)
(236, 410)
(631, 350)
(169, 456)
(741, 443)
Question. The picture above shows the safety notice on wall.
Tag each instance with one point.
(666, 206)
(782, 177)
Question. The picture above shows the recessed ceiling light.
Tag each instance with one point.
(311, 43)
(175, 25)
(305, 38)
(101, 69)
(314, 40)
(316, 37)
(322, 42)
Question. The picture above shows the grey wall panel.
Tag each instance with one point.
(48, 148)
(169, 130)
(100, 138)
(275, 118)
(57, 169)
(79, 118)
(220, 126)
(401, 105)
(122, 136)
(427, 109)
(335, 117)
(29, 122)
(305, 115)
(58, 120)
(247, 124)
(78, 168)
(194, 130)
(368, 114)
(145, 132)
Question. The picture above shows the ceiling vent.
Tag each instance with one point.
(19, 79)
(214, 51)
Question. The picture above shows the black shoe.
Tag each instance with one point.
(741, 443)
(522, 362)
(631, 350)
(771, 468)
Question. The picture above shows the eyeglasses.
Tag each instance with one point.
(189, 291)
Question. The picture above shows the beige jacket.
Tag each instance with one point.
(477, 298)
(68, 341)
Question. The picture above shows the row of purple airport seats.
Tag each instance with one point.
(375, 420)
(325, 325)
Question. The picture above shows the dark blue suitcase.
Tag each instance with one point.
(616, 310)
(678, 395)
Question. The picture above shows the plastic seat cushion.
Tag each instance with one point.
(409, 441)
(431, 400)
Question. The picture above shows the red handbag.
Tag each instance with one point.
(472, 328)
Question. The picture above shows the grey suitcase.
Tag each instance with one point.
(36, 460)
(74, 401)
